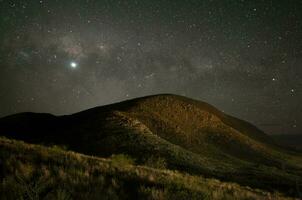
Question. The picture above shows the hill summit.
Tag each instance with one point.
(189, 135)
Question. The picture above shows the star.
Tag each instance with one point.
(136, 54)
(73, 64)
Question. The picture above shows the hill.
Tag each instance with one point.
(52, 173)
(290, 140)
(190, 136)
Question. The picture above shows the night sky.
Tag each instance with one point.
(244, 57)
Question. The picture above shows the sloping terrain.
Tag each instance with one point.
(191, 136)
(290, 140)
(36, 172)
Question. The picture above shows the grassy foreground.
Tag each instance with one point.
(36, 172)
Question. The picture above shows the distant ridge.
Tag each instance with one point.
(293, 141)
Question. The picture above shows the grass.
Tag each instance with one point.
(37, 172)
(168, 132)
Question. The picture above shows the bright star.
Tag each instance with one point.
(73, 64)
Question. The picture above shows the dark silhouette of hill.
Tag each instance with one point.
(192, 136)
(290, 140)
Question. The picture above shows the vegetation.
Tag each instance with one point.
(122, 160)
(36, 172)
(168, 132)
(156, 162)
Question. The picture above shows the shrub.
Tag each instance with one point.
(122, 160)
(59, 147)
(62, 194)
(156, 162)
(34, 187)
(152, 193)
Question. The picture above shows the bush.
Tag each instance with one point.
(122, 160)
(156, 162)
(59, 147)
(152, 193)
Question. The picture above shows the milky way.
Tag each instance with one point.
(244, 57)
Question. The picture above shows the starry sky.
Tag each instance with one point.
(242, 56)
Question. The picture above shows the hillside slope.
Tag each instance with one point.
(52, 173)
(290, 140)
(190, 135)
